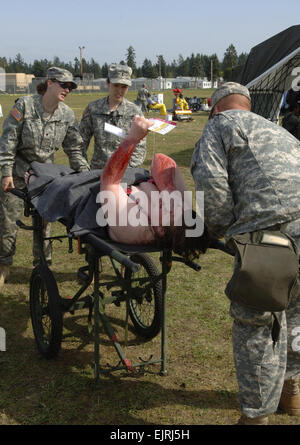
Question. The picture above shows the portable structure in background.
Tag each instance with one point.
(271, 69)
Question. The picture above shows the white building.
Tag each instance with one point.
(204, 83)
(169, 83)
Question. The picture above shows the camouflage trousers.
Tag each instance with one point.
(262, 365)
(11, 209)
(142, 103)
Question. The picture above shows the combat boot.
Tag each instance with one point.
(290, 397)
(261, 420)
(4, 272)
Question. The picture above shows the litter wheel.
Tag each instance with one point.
(145, 306)
(46, 313)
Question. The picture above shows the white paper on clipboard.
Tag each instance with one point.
(161, 126)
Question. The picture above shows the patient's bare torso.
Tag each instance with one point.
(140, 209)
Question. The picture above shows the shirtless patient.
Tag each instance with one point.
(165, 179)
(154, 222)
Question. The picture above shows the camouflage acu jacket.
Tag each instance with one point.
(248, 168)
(28, 135)
(92, 124)
(142, 94)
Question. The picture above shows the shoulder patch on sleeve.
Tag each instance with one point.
(16, 114)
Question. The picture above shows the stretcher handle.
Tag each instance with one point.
(191, 264)
(219, 245)
(23, 226)
(19, 192)
(107, 249)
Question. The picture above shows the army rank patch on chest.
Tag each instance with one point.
(16, 114)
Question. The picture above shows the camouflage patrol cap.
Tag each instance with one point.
(118, 73)
(61, 75)
(226, 89)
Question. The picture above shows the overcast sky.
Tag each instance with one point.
(38, 30)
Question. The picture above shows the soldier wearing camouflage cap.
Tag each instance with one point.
(227, 89)
(35, 128)
(248, 168)
(61, 75)
(116, 110)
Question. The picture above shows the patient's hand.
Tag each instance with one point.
(29, 176)
(7, 183)
(139, 129)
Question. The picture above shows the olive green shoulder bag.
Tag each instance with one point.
(266, 271)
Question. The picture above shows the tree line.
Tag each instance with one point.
(196, 65)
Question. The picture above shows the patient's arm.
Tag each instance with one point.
(118, 162)
(110, 182)
(115, 167)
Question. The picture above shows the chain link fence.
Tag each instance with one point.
(20, 83)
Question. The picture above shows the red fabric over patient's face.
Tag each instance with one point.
(162, 171)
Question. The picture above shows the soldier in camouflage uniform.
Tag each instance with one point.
(248, 168)
(34, 130)
(116, 110)
(142, 96)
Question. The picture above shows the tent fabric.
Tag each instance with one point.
(266, 54)
(267, 91)
(268, 72)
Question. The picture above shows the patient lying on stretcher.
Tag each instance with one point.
(144, 214)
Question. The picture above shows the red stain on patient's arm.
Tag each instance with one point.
(115, 167)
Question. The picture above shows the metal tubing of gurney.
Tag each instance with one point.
(219, 245)
(22, 194)
(18, 192)
(37, 226)
(190, 264)
(166, 259)
(96, 321)
(23, 226)
(105, 248)
(95, 241)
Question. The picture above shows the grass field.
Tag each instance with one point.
(200, 387)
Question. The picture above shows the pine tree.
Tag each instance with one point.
(130, 58)
(230, 61)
